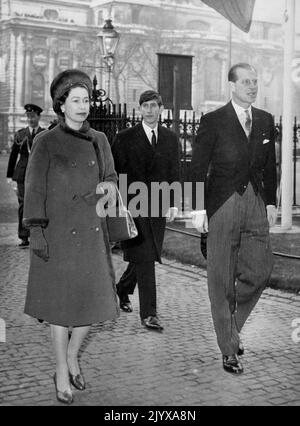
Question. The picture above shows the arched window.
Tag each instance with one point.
(38, 90)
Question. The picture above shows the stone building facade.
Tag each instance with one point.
(38, 39)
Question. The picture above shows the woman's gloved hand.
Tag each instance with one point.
(38, 243)
(108, 190)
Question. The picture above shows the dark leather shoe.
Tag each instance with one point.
(125, 304)
(152, 323)
(65, 397)
(241, 349)
(232, 364)
(77, 381)
(24, 243)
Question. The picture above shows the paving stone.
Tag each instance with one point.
(124, 364)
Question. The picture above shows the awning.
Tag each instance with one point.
(239, 12)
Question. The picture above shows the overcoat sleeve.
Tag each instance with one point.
(36, 185)
(174, 161)
(15, 149)
(174, 174)
(203, 149)
(110, 174)
(119, 155)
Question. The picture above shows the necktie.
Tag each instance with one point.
(248, 122)
(33, 133)
(153, 139)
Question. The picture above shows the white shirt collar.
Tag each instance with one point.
(148, 130)
(31, 129)
(240, 110)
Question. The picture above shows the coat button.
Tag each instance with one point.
(74, 164)
(91, 163)
(97, 229)
(73, 231)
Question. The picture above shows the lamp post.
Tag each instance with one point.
(108, 39)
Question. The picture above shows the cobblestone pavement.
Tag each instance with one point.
(124, 364)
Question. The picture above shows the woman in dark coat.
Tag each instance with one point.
(71, 278)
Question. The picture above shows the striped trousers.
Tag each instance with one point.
(239, 264)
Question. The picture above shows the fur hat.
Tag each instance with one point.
(65, 81)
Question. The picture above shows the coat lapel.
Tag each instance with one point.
(141, 138)
(234, 121)
(160, 139)
(257, 126)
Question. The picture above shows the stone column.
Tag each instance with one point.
(28, 69)
(51, 72)
(76, 59)
(11, 77)
(78, 53)
(19, 72)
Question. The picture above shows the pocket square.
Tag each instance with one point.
(266, 141)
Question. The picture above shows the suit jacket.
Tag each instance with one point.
(134, 156)
(21, 148)
(227, 161)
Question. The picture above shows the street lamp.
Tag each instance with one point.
(108, 39)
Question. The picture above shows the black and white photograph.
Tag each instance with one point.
(150, 206)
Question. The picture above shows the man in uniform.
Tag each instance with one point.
(18, 159)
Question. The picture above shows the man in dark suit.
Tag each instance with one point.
(236, 144)
(146, 153)
(18, 160)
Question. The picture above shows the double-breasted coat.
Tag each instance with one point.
(136, 158)
(76, 286)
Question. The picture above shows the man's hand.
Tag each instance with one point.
(171, 214)
(13, 184)
(271, 214)
(200, 221)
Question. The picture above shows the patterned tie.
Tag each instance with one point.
(153, 139)
(248, 122)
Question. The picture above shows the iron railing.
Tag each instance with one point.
(110, 119)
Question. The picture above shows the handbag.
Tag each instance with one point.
(120, 223)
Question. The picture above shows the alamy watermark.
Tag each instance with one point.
(296, 331)
(2, 331)
(161, 196)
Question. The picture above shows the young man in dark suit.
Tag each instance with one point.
(146, 153)
(236, 143)
(18, 160)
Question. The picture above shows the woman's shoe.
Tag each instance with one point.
(77, 381)
(65, 397)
